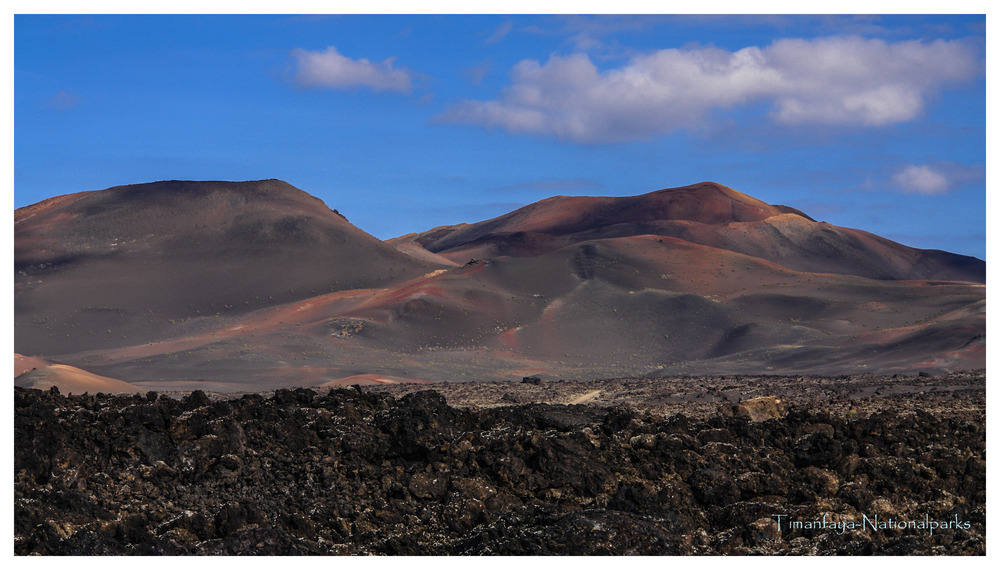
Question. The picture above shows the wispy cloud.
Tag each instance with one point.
(332, 70)
(552, 185)
(839, 81)
(62, 100)
(500, 33)
(476, 74)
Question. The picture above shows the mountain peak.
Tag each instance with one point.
(180, 249)
(706, 213)
(269, 189)
(705, 203)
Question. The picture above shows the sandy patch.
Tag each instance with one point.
(71, 380)
(588, 397)
(371, 380)
(24, 364)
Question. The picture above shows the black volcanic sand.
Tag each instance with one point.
(357, 471)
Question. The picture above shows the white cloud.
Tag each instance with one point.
(921, 180)
(332, 70)
(867, 82)
(825, 81)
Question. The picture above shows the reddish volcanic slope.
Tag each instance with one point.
(118, 266)
(252, 286)
(706, 214)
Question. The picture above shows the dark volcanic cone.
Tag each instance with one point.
(120, 266)
(705, 214)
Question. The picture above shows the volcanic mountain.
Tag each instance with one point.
(255, 285)
(112, 267)
(706, 214)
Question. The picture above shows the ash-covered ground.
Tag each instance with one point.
(723, 465)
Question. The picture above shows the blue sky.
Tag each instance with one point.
(407, 122)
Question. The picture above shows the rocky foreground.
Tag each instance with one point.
(365, 472)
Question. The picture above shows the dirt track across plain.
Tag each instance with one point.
(583, 399)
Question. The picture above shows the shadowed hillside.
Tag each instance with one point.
(119, 266)
(257, 285)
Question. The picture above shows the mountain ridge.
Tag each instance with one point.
(706, 213)
(253, 285)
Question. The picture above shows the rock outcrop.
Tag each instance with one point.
(353, 472)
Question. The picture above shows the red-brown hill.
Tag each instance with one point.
(253, 286)
(705, 214)
(124, 265)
